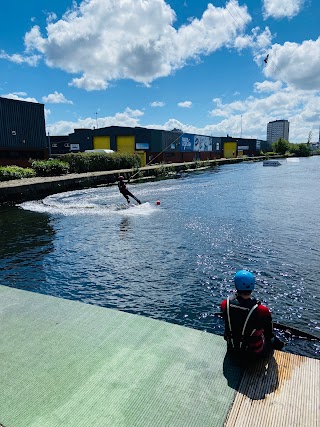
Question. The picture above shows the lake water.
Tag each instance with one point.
(175, 261)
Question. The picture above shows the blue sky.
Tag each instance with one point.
(166, 64)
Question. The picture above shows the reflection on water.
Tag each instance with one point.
(25, 241)
(125, 226)
(175, 261)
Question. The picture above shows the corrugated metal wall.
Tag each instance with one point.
(22, 125)
(170, 140)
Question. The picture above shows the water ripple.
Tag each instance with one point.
(176, 261)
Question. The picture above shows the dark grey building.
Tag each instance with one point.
(157, 145)
(243, 146)
(152, 145)
(22, 132)
(59, 145)
(277, 129)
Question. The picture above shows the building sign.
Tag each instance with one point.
(142, 145)
(243, 147)
(258, 145)
(186, 142)
(74, 147)
(202, 143)
(190, 142)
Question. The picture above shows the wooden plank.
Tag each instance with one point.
(282, 392)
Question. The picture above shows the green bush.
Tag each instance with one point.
(269, 153)
(163, 170)
(15, 172)
(51, 167)
(93, 162)
(300, 150)
(137, 173)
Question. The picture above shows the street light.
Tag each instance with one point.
(49, 145)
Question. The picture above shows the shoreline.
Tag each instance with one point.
(26, 189)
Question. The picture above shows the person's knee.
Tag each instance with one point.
(276, 343)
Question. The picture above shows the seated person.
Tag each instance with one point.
(248, 323)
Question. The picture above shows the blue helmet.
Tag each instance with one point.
(244, 280)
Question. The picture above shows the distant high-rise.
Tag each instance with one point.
(277, 129)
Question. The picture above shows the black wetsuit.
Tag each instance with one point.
(125, 192)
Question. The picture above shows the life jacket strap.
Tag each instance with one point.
(245, 323)
(229, 320)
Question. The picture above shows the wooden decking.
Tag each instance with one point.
(283, 393)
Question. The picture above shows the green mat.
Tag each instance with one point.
(65, 363)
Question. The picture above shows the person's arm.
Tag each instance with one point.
(223, 306)
(266, 321)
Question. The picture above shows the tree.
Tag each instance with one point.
(301, 150)
(281, 146)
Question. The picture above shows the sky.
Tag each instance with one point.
(220, 68)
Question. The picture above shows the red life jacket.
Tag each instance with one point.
(243, 330)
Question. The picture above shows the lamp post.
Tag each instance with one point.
(49, 145)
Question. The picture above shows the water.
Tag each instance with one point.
(175, 261)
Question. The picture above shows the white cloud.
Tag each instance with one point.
(301, 108)
(19, 96)
(104, 40)
(34, 41)
(243, 41)
(157, 104)
(56, 98)
(128, 117)
(134, 113)
(51, 17)
(47, 113)
(20, 93)
(31, 60)
(258, 40)
(267, 86)
(185, 104)
(295, 64)
(279, 9)
(89, 83)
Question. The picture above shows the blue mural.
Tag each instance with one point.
(190, 142)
